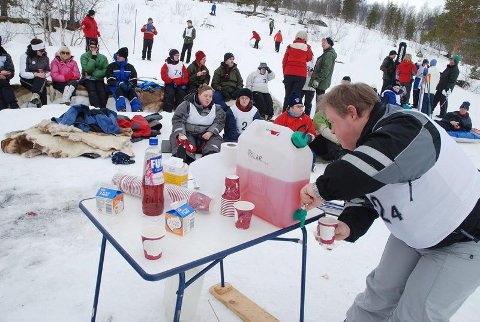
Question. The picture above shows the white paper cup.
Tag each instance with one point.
(152, 240)
(326, 229)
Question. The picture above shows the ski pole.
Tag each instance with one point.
(135, 31)
(118, 27)
(105, 46)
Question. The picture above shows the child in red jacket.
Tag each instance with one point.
(175, 76)
(295, 119)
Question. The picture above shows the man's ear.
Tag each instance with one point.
(352, 112)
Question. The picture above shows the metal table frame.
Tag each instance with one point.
(212, 260)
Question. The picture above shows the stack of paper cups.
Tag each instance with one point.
(131, 185)
(226, 207)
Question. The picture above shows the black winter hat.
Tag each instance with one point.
(392, 52)
(172, 53)
(466, 105)
(123, 52)
(91, 12)
(245, 92)
(329, 41)
(227, 56)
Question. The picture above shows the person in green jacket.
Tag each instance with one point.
(322, 73)
(227, 81)
(94, 66)
(198, 72)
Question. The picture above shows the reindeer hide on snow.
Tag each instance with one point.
(62, 141)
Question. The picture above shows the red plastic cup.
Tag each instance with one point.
(326, 229)
(243, 214)
(152, 240)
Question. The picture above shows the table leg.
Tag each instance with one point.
(304, 274)
(181, 289)
(99, 279)
(222, 274)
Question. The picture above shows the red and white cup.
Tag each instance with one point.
(243, 214)
(152, 240)
(326, 230)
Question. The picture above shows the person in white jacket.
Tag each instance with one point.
(257, 82)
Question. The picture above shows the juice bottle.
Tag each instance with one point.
(153, 181)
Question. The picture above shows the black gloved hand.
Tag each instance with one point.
(121, 158)
(269, 70)
(226, 96)
(235, 94)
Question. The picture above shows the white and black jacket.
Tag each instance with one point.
(409, 172)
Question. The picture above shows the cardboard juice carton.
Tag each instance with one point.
(175, 171)
(110, 201)
(180, 219)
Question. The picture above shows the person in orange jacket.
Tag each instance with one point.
(278, 39)
(149, 31)
(257, 38)
(175, 76)
(90, 28)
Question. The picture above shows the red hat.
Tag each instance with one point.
(199, 55)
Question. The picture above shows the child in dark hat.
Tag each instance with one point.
(295, 118)
(457, 121)
(122, 80)
(240, 115)
(226, 81)
(175, 76)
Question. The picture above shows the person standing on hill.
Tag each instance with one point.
(94, 67)
(419, 82)
(445, 85)
(294, 65)
(278, 39)
(7, 71)
(271, 25)
(90, 28)
(189, 35)
(388, 69)
(405, 71)
(149, 31)
(213, 12)
(322, 73)
(198, 72)
(257, 38)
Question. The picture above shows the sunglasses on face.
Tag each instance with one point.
(92, 46)
(41, 50)
(65, 52)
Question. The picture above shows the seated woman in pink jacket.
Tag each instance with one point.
(64, 73)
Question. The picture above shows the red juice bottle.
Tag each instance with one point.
(153, 182)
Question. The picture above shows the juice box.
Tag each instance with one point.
(109, 201)
(180, 219)
(175, 171)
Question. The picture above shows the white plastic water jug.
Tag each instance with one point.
(272, 171)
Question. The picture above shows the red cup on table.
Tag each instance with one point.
(326, 230)
(152, 240)
(243, 214)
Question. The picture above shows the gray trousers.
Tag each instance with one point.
(418, 284)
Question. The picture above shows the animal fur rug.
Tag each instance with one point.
(62, 141)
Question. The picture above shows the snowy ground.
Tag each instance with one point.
(48, 261)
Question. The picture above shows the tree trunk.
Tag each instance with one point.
(4, 8)
(72, 11)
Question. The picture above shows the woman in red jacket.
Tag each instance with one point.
(90, 28)
(294, 65)
(406, 70)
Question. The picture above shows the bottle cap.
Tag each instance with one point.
(153, 141)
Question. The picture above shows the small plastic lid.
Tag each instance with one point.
(153, 141)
